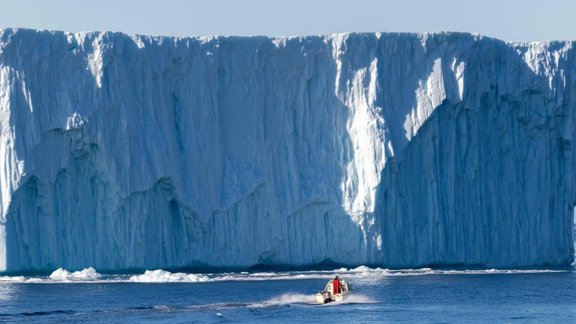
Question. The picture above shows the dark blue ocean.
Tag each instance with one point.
(379, 295)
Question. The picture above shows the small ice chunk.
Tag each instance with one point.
(65, 275)
(166, 276)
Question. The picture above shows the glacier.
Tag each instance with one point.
(398, 150)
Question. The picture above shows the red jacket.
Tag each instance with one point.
(336, 286)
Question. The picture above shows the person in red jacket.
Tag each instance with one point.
(336, 285)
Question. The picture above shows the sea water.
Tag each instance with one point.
(379, 295)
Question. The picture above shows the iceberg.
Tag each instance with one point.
(392, 150)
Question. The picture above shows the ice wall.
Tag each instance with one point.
(400, 150)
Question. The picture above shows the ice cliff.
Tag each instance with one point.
(398, 150)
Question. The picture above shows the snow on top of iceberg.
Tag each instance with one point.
(280, 38)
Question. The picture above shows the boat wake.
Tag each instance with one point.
(307, 300)
(357, 299)
(286, 299)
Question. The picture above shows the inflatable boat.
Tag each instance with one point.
(328, 295)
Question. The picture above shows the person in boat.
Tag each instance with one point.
(336, 286)
(334, 291)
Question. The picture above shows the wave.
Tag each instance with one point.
(90, 275)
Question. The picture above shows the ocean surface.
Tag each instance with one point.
(379, 295)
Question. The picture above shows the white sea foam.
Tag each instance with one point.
(286, 299)
(309, 299)
(358, 299)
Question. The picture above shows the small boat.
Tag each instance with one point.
(328, 295)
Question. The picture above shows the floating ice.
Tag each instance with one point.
(353, 276)
(166, 276)
(83, 275)
(12, 279)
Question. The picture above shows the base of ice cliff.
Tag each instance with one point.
(397, 150)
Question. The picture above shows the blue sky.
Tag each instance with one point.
(512, 20)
